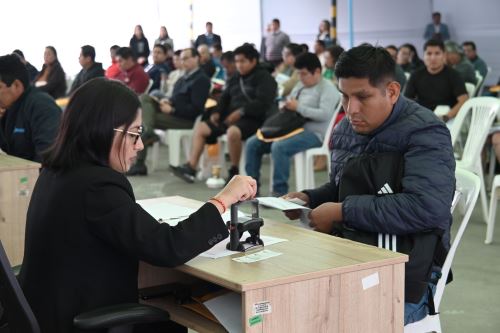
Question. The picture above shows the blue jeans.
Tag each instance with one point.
(281, 152)
(416, 312)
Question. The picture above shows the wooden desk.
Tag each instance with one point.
(316, 285)
(17, 180)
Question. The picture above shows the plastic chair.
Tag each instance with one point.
(483, 112)
(495, 196)
(115, 319)
(469, 185)
(304, 161)
(471, 88)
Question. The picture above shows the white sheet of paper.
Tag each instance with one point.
(441, 110)
(280, 203)
(227, 310)
(173, 214)
(219, 250)
(281, 78)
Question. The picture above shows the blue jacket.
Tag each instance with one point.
(428, 181)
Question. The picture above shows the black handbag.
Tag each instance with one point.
(282, 125)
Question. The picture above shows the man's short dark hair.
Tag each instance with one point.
(309, 61)
(434, 42)
(392, 47)
(162, 47)
(335, 51)
(178, 53)
(194, 51)
(248, 51)
(295, 49)
(321, 43)
(366, 61)
(19, 53)
(11, 69)
(436, 14)
(88, 51)
(470, 43)
(277, 21)
(114, 48)
(209, 23)
(217, 47)
(125, 53)
(305, 47)
(227, 56)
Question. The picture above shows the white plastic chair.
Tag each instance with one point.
(471, 88)
(483, 111)
(479, 91)
(304, 161)
(495, 196)
(469, 185)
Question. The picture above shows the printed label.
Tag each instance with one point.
(370, 281)
(262, 308)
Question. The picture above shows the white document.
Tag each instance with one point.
(227, 310)
(441, 110)
(172, 214)
(280, 203)
(219, 250)
(281, 78)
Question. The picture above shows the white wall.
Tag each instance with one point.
(69, 24)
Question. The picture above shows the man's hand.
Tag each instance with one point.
(165, 106)
(214, 118)
(292, 104)
(233, 117)
(322, 217)
(295, 213)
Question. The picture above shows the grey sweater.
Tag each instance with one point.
(317, 103)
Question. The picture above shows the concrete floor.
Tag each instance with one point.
(471, 303)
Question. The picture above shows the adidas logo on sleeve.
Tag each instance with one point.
(386, 189)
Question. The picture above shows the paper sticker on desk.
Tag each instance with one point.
(370, 281)
(257, 256)
(255, 320)
(262, 308)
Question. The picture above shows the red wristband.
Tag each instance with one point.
(221, 203)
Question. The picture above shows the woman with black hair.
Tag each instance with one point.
(140, 46)
(51, 78)
(85, 234)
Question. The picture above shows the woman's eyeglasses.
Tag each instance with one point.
(134, 135)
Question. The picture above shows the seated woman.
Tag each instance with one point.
(85, 234)
(52, 78)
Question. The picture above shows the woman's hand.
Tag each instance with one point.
(239, 188)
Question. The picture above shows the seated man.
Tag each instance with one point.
(380, 121)
(227, 63)
(313, 97)
(131, 73)
(286, 74)
(180, 111)
(31, 120)
(206, 62)
(90, 68)
(437, 84)
(243, 106)
(458, 61)
(159, 69)
(114, 69)
(470, 51)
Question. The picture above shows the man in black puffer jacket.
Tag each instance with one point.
(380, 121)
(31, 120)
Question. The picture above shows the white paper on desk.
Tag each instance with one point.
(281, 78)
(168, 213)
(227, 310)
(219, 250)
(173, 214)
